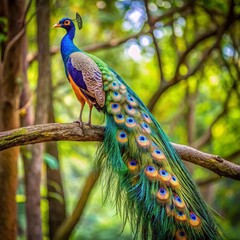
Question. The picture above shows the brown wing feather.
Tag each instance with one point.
(91, 74)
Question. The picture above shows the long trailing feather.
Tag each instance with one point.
(135, 192)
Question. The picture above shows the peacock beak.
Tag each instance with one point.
(57, 25)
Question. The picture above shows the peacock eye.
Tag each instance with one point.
(66, 22)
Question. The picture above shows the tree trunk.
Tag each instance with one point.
(26, 113)
(33, 174)
(9, 118)
(56, 198)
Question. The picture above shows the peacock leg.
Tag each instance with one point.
(79, 121)
(90, 115)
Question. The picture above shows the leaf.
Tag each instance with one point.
(51, 161)
(56, 196)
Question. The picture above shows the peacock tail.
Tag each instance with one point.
(149, 183)
(152, 187)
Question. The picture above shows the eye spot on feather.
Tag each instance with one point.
(146, 117)
(119, 118)
(180, 216)
(108, 78)
(116, 96)
(162, 195)
(123, 88)
(114, 86)
(133, 166)
(178, 199)
(162, 191)
(133, 163)
(180, 235)
(130, 122)
(122, 136)
(178, 202)
(158, 155)
(193, 216)
(114, 108)
(115, 105)
(145, 127)
(131, 101)
(130, 110)
(174, 182)
(151, 173)
(194, 220)
(164, 176)
(143, 141)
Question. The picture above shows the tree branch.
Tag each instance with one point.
(218, 33)
(72, 132)
(212, 162)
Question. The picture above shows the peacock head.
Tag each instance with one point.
(65, 23)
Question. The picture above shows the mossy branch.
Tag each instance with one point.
(72, 132)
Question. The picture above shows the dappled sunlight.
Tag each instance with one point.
(182, 60)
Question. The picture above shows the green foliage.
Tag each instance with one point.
(136, 62)
(50, 161)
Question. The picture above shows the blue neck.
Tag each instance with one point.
(67, 45)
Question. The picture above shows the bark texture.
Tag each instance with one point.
(34, 166)
(9, 119)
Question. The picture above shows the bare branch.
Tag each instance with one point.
(72, 132)
(212, 162)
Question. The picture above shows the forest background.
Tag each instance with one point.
(181, 57)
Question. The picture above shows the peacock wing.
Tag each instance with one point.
(87, 76)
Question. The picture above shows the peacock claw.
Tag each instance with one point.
(79, 122)
(90, 125)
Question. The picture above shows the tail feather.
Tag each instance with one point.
(153, 189)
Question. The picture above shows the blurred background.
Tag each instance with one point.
(182, 59)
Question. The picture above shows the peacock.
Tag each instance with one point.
(149, 183)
